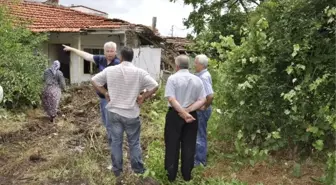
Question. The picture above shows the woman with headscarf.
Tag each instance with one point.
(54, 83)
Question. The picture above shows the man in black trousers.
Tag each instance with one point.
(185, 93)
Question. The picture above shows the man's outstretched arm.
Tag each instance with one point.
(83, 54)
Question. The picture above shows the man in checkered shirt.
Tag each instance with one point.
(125, 82)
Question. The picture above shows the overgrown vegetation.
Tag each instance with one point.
(273, 69)
(21, 62)
(274, 73)
(277, 82)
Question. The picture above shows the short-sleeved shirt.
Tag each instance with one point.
(124, 91)
(185, 87)
(101, 63)
(205, 76)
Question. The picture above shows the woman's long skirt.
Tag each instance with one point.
(51, 97)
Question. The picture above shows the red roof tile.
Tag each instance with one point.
(47, 18)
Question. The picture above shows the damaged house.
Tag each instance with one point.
(173, 46)
(180, 44)
(87, 32)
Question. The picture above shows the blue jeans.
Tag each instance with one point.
(103, 111)
(201, 142)
(117, 125)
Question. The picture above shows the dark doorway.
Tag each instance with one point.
(62, 56)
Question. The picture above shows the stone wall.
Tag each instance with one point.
(132, 39)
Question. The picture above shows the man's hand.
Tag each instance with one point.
(140, 99)
(107, 96)
(66, 48)
(187, 117)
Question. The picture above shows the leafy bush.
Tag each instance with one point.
(278, 85)
(21, 63)
(330, 172)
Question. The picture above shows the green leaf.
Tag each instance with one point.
(318, 145)
(276, 135)
(253, 136)
(240, 135)
(287, 112)
(244, 61)
(300, 66)
(297, 170)
(312, 129)
(289, 70)
(252, 162)
(146, 174)
(296, 48)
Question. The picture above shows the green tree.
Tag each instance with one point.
(21, 62)
(278, 85)
(276, 74)
(217, 13)
(210, 19)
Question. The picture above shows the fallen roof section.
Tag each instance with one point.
(178, 43)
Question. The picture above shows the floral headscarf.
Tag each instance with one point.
(55, 66)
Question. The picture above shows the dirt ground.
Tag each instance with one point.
(35, 151)
(280, 172)
(31, 143)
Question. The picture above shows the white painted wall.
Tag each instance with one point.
(148, 59)
(89, 11)
(52, 54)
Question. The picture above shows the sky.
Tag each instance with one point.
(141, 12)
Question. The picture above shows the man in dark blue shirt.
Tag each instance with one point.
(102, 61)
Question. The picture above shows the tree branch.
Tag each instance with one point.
(255, 2)
(243, 5)
(229, 7)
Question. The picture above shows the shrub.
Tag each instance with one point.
(278, 85)
(21, 62)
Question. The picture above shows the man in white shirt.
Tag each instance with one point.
(185, 94)
(201, 64)
(124, 84)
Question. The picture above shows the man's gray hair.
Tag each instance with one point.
(202, 59)
(110, 45)
(182, 61)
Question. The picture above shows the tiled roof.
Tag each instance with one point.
(75, 6)
(49, 18)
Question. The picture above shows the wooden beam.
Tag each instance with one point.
(106, 32)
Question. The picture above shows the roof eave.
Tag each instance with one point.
(103, 31)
